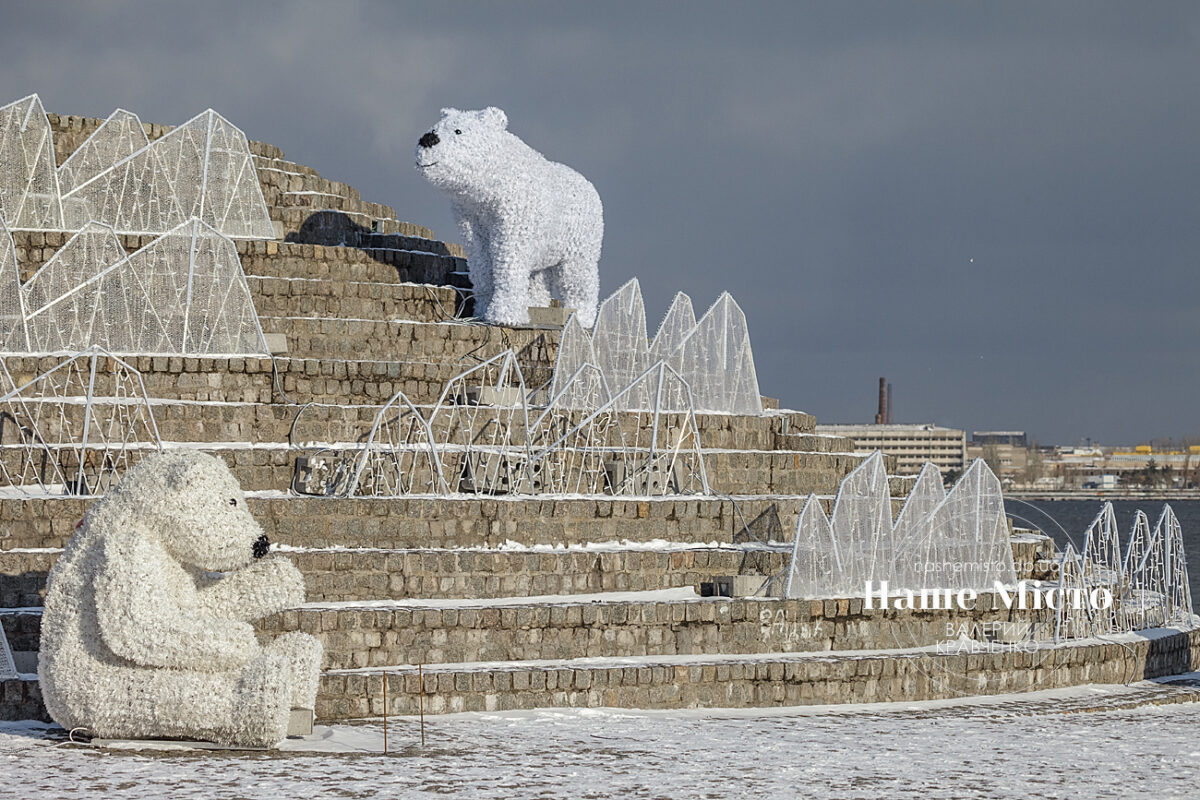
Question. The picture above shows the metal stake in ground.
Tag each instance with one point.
(421, 701)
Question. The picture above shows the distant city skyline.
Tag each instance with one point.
(992, 204)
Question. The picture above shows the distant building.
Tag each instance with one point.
(912, 445)
(1009, 461)
(1010, 438)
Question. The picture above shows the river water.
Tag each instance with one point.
(1067, 521)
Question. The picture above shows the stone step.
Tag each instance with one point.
(377, 633)
(285, 379)
(269, 466)
(308, 224)
(456, 522)
(714, 681)
(330, 299)
(617, 625)
(759, 680)
(456, 343)
(813, 442)
(395, 259)
(301, 425)
(344, 575)
(313, 427)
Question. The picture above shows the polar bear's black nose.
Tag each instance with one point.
(261, 546)
(428, 140)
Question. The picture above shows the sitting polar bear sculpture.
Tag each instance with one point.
(141, 639)
(532, 228)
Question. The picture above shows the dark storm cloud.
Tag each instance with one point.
(991, 204)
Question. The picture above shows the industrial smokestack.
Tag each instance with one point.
(881, 415)
(889, 403)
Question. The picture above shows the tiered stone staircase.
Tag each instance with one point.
(505, 602)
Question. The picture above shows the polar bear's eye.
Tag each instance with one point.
(456, 130)
(233, 501)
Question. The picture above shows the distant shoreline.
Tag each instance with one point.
(1096, 494)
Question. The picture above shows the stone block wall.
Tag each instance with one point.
(750, 682)
(374, 636)
(416, 523)
(362, 575)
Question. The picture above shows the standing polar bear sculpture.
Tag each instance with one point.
(141, 638)
(532, 228)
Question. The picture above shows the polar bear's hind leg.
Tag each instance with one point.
(577, 284)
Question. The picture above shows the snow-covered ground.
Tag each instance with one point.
(982, 749)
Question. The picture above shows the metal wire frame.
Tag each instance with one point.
(183, 293)
(388, 462)
(202, 167)
(1146, 571)
(816, 566)
(478, 440)
(1074, 618)
(1178, 600)
(8, 670)
(713, 353)
(82, 456)
(1103, 568)
(671, 460)
(939, 541)
(481, 424)
(577, 470)
(1150, 585)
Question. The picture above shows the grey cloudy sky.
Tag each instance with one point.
(994, 205)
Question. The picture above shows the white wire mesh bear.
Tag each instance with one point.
(141, 639)
(532, 227)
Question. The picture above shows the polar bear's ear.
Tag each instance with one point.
(494, 117)
(448, 111)
(181, 473)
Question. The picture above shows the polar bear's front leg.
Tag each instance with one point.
(141, 619)
(510, 278)
(479, 258)
(252, 592)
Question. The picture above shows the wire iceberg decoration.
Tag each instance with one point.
(75, 428)
(29, 194)
(481, 439)
(948, 541)
(959, 540)
(117, 177)
(711, 355)
(184, 293)
(647, 447)
(1149, 585)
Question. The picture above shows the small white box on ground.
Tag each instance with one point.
(300, 722)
